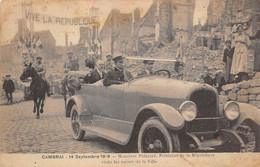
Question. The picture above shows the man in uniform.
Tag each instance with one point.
(118, 75)
(109, 63)
(71, 64)
(41, 70)
(8, 87)
(148, 68)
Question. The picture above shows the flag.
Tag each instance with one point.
(38, 44)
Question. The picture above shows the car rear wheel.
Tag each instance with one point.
(154, 137)
(77, 132)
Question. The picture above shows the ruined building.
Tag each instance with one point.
(229, 13)
(128, 33)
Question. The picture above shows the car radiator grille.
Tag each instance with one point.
(206, 119)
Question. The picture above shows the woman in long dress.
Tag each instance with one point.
(239, 63)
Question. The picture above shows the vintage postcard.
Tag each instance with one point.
(129, 83)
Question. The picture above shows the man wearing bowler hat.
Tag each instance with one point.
(98, 73)
(41, 70)
(148, 68)
(118, 75)
(8, 87)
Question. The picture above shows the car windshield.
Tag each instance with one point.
(145, 67)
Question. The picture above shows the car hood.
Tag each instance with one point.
(168, 88)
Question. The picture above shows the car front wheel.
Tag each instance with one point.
(250, 136)
(154, 137)
(77, 132)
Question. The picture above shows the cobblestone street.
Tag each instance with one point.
(20, 132)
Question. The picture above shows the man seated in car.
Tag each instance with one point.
(90, 65)
(98, 73)
(118, 75)
(148, 68)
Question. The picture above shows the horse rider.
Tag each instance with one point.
(41, 71)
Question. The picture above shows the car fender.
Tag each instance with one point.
(247, 111)
(81, 104)
(169, 116)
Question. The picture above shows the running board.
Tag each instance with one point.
(116, 137)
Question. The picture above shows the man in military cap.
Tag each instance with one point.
(41, 71)
(148, 68)
(8, 87)
(118, 75)
(71, 64)
(108, 63)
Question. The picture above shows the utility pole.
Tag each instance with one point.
(202, 53)
(157, 25)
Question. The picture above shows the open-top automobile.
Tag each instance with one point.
(161, 114)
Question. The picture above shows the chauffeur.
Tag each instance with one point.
(118, 75)
(148, 68)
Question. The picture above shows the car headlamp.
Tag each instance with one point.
(231, 110)
(188, 110)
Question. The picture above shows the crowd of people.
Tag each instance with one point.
(235, 57)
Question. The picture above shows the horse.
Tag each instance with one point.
(37, 88)
(69, 84)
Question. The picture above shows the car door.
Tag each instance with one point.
(113, 102)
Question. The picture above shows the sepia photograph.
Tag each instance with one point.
(129, 82)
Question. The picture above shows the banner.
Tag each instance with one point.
(45, 19)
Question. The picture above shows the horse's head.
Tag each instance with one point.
(73, 82)
(27, 72)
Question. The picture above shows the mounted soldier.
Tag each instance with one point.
(41, 71)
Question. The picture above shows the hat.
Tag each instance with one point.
(8, 75)
(148, 61)
(118, 58)
(90, 63)
(228, 41)
(38, 57)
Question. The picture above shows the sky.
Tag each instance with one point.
(11, 11)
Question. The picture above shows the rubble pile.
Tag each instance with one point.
(245, 91)
(193, 63)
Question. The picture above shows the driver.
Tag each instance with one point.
(148, 68)
(118, 75)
